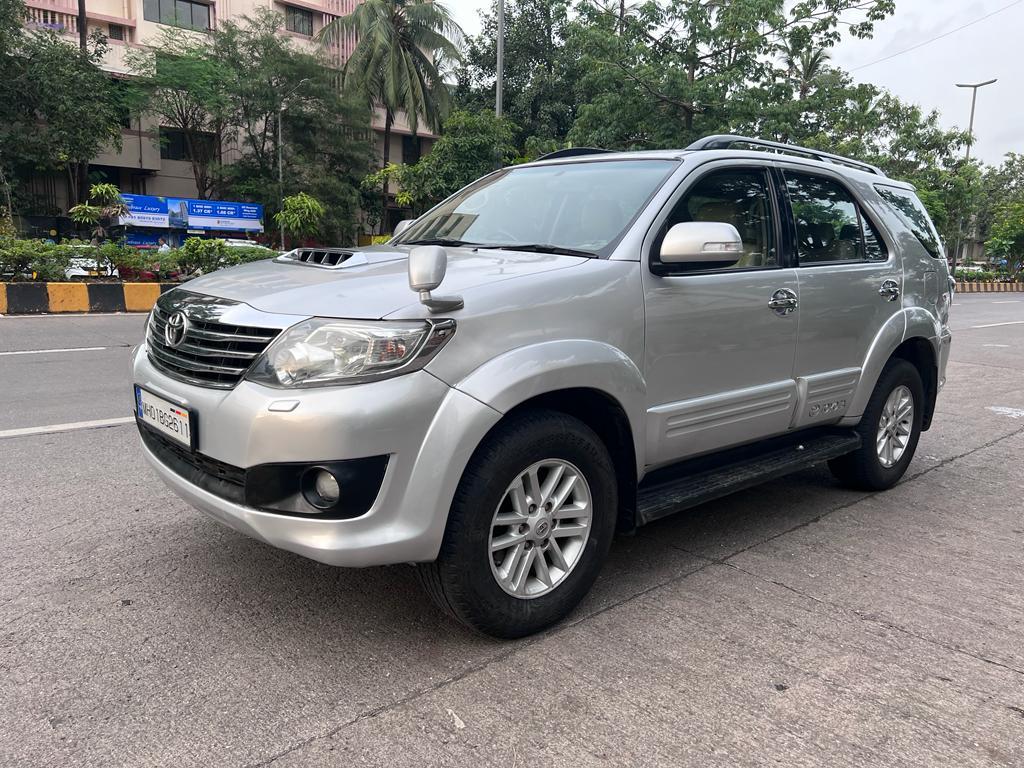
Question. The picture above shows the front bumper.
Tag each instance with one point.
(426, 428)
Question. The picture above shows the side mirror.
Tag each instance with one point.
(702, 245)
(427, 266)
(401, 226)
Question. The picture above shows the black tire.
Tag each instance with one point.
(461, 581)
(863, 469)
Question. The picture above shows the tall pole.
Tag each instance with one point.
(83, 26)
(974, 101)
(280, 170)
(967, 155)
(501, 58)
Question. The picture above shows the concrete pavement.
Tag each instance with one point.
(795, 624)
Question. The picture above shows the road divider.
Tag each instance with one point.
(40, 298)
(968, 287)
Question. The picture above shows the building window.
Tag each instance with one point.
(411, 149)
(298, 20)
(116, 32)
(173, 145)
(178, 13)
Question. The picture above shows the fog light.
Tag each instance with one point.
(321, 488)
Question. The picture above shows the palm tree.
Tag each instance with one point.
(804, 64)
(401, 48)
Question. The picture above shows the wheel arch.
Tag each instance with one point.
(920, 352)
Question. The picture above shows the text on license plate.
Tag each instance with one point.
(163, 415)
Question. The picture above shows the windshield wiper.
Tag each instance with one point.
(542, 248)
(443, 241)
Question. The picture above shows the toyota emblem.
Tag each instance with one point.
(176, 329)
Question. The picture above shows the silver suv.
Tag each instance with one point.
(620, 336)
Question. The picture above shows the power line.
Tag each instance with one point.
(938, 37)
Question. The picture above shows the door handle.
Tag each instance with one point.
(890, 290)
(783, 302)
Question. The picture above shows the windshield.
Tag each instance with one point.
(582, 207)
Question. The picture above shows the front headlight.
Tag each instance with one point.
(324, 352)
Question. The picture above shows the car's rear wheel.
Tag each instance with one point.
(889, 430)
(529, 528)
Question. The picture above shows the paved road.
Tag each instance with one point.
(795, 624)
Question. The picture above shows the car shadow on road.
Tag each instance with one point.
(307, 602)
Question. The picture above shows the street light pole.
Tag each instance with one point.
(967, 155)
(974, 100)
(501, 59)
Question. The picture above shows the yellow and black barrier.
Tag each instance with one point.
(969, 287)
(41, 298)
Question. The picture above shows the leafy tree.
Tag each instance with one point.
(540, 68)
(401, 49)
(104, 207)
(325, 142)
(300, 215)
(471, 146)
(1006, 239)
(60, 108)
(185, 88)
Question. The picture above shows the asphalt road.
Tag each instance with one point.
(795, 624)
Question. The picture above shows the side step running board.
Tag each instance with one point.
(694, 482)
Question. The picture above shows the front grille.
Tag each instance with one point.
(212, 353)
(220, 479)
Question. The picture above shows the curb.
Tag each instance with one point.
(39, 298)
(989, 287)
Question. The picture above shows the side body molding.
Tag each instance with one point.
(525, 372)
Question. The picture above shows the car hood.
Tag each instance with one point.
(368, 285)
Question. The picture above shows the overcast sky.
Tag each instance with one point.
(993, 47)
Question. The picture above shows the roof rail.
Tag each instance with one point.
(726, 141)
(573, 152)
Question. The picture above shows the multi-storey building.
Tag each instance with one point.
(152, 159)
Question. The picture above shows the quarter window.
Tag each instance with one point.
(739, 197)
(830, 226)
(913, 214)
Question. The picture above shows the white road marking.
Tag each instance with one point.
(47, 351)
(1013, 413)
(69, 427)
(995, 345)
(996, 325)
(72, 314)
(1010, 301)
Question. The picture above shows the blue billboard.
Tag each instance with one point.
(185, 213)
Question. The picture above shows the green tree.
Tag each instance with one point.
(102, 210)
(184, 85)
(471, 146)
(1006, 239)
(301, 215)
(325, 141)
(540, 68)
(60, 108)
(402, 47)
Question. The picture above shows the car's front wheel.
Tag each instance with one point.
(529, 528)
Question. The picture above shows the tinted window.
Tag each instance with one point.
(739, 197)
(912, 212)
(298, 20)
(178, 13)
(585, 206)
(829, 224)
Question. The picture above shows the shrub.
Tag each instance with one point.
(198, 256)
(23, 259)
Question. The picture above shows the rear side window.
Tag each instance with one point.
(830, 226)
(911, 211)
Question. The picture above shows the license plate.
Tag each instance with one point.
(165, 417)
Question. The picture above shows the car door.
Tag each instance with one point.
(719, 343)
(850, 286)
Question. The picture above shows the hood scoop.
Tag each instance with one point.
(328, 258)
